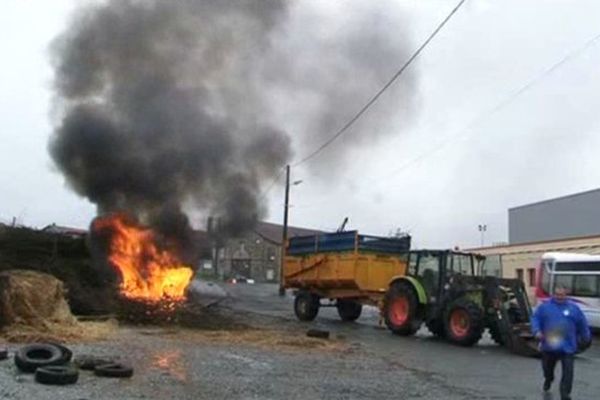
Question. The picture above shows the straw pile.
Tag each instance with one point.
(33, 308)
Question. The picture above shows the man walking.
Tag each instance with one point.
(558, 323)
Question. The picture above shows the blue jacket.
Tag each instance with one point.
(561, 324)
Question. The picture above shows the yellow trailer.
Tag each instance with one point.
(347, 268)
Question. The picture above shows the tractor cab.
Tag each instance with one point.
(434, 269)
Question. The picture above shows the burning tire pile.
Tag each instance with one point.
(53, 364)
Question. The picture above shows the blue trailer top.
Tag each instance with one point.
(346, 241)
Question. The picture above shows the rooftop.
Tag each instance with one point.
(569, 196)
(274, 232)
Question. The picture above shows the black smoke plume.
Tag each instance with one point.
(170, 105)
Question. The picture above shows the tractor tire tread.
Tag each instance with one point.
(476, 323)
(413, 323)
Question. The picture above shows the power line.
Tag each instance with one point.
(383, 89)
(464, 132)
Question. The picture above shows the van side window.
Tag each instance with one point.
(565, 281)
(545, 277)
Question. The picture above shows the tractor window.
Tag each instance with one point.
(412, 264)
(429, 271)
(462, 264)
(490, 266)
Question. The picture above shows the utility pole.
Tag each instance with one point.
(285, 228)
(482, 228)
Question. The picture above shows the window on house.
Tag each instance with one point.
(531, 276)
(271, 254)
(520, 274)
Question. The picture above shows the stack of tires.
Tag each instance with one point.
(51, 364)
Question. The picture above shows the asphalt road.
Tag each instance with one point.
(483, 371)
(267, 356)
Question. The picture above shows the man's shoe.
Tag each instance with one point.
(547, 384)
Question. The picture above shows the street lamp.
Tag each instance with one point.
(482, 229)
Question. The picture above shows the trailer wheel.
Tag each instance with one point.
(348, 310)
(306, 306)
(463, 322)
(400, 309)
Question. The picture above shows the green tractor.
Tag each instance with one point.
(446, 291)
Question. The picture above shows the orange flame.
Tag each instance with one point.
(147, 272)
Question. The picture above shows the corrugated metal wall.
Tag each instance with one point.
(566, 217)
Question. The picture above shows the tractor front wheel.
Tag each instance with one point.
(400, 309)
(306, 306)
(463, 321)
(348, 310)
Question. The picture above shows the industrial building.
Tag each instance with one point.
(570, 223)
(572, 216)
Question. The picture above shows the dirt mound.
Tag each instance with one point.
(33, 308)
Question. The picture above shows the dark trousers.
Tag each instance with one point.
(567, 361)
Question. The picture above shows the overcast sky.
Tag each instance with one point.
(455, 155)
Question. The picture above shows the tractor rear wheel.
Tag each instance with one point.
(463, 321)
(400, 309)
(348, 310)
(306, 306)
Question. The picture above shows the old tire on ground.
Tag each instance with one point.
(306, 306)
(57, 375)
(90, 362)
(114, 370)
(348, 310)
(463, 321)
(30, 357)
(3, 353)
(317, 333)
(436, 327)
(401, 309)
(67, 354)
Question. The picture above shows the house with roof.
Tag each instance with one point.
(256, 254)
(65, 230)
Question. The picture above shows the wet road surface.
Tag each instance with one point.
(361, 361)
(486, 370)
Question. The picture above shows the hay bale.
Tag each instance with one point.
(32, 298)
(33, 309)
